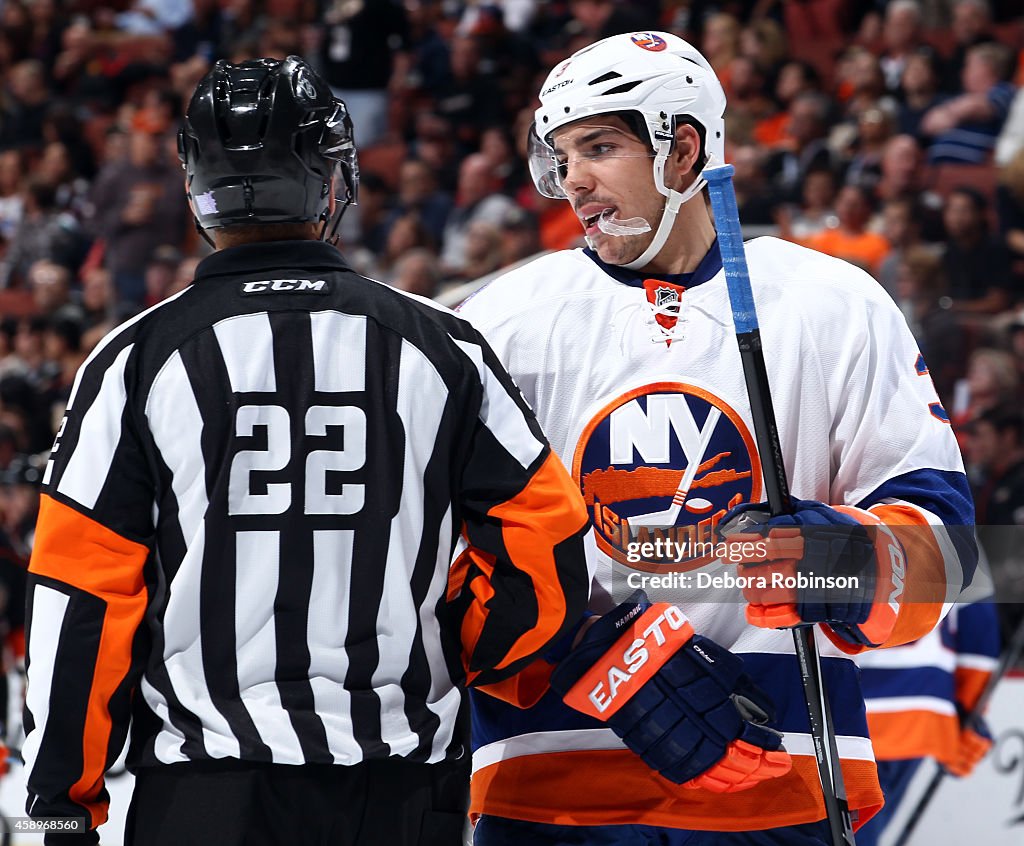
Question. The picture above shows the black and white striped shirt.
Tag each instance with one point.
(247, 526)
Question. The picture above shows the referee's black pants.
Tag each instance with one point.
(388, 802)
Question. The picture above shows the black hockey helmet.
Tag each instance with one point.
(260, 144)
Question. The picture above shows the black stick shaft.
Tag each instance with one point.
(748, 336)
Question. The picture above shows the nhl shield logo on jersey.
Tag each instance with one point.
(664, 461)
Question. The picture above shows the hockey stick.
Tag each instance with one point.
(748, 335)
(1013, 652)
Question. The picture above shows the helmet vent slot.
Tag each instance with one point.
(605, 77)
(622, 89)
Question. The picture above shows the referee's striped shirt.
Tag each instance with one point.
(247, 524)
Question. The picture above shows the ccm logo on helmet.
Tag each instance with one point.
(269, 286)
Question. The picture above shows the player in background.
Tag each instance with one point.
(627, 352)
(918, 697)
(248, 519)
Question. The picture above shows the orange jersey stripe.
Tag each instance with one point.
(898, 735)
(546, 512)
(969, 683)
(78, 551)
(614, 787)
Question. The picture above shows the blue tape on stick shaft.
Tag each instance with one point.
(730, 243)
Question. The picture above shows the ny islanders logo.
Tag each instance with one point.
(664, 461)
(649, 41)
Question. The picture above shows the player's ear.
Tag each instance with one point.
(684, 158)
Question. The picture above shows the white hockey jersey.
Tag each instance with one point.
(632, 397)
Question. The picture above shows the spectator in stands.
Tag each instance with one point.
(720, 44)
(417, 271)
(419, 195)
(434, 143)
(483, 250)
(56, 168)
(795, 77)
(28, 96)
(850, 239)
(363, 55)
(19, 502)
(919, 89)
(922, 293)
(991, 381)
(874, 129)
(498, 145)
(136, 205)
(816, 211)
(50, 284)
(1010, 209)
(45, 232)
(1011, 137)
(20, 401)
(99, 306)
(520, 236)
(808, 149)
(763, 40)
(864, 84)
(185, 275)
(12, 174)
(62, 346)
(901, 34)
(977, 264)
(507, 57)
(160, 271)
(995, 453)
(971, 25)
(901, 226)
(753, 197)
(468, 100)
(964, 128)
(749, 102)
(592, 20)
(475, 201)
(407, 232)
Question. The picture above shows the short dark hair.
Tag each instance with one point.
(1002, 418)
(231, 236)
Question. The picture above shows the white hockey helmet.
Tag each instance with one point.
(655, 75)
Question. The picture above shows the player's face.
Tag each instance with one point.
(606, 167)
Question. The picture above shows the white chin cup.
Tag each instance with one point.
(609, 225)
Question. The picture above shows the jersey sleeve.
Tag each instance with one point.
(895, 454)
(976, 644)
(520, 579)
(86, 594)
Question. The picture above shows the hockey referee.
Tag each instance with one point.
(249, 514)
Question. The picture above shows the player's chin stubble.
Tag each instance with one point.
(622, 249)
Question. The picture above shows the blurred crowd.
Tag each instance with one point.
(890, 134)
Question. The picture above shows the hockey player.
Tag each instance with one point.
(627, 352)
(248, 518)
(918, 697)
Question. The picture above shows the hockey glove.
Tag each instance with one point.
(678, 700)
(975, 743)
(821, 564)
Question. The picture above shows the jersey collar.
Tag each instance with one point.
(707, 269)
(267, 255)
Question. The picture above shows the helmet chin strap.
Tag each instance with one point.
(668, 219)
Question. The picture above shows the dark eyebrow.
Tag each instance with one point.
(589, 137)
